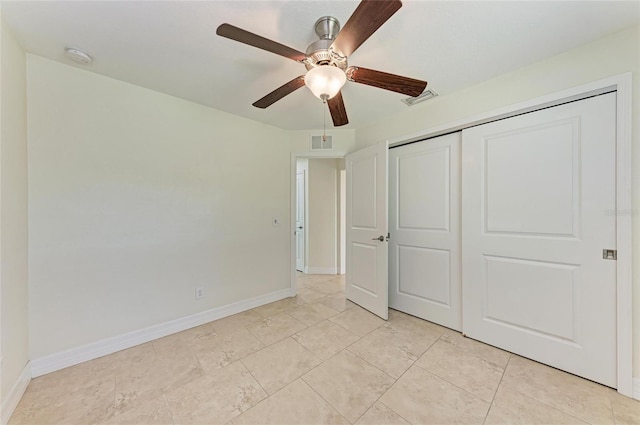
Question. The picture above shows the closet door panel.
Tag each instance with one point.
(424, 222)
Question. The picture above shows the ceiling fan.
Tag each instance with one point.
(326, 59)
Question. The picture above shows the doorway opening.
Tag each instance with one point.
(318, 214)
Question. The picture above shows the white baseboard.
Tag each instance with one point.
(322, 270)
(73, 356)
(636, 388)
(15, 394)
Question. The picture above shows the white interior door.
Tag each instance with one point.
(300, 224)
(367, 252)
(536, 190)
(424, 220)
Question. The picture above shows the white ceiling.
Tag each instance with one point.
(171, 46)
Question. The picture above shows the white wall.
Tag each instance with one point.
(606, 57)
(136, 198)
(14, 330)
(323, 215)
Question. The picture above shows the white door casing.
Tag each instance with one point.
(536, 189)
(424, 221)
(300, 221)
(367, 255)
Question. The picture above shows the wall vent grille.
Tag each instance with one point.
(426, 95)
(318, 144)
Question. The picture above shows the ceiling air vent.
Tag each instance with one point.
(426, 95)
(318, 144)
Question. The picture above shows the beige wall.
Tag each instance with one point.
(14, 330)
(137, 198)
(606, 57)
(323, 215)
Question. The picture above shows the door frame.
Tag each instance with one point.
(622, 84)
(304, 220)
(292, 205)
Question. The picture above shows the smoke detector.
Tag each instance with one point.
(78, 56)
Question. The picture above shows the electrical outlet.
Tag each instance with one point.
(199, 293)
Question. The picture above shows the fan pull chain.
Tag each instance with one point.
(324, 123)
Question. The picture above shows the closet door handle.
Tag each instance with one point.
(379, 238)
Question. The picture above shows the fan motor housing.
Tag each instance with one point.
(319, 52)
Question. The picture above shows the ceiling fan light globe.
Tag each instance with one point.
(325, 81)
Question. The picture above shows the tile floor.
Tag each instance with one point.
(318, 359)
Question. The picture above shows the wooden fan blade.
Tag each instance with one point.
(365, 20)
(397, 83)
(280, 92)
(246, 37)
(338, 111)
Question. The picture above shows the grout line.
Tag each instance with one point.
(261, 401)
(325, 400)
(386, 391)
(493, 400)
(383, 403)
(256, 379)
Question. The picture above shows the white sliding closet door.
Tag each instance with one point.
(424, 222)
(536, 192)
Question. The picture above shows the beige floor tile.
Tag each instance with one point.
(160, 382)
(419, 332)
(337, 302)
(492, 354)
(280, 364)
(225, 348)
(168, 370)
(307, 296)
(310, 314)
(236, 321)
(325, 339)
(296, 404)
(423, 398)
(358, 321)
(121, 360)
(274, 308)
(568, 393)
(328, 287)
(625, 410)
(510, 407)
(316, 278)
(386, 352)
(463, 368)
(183, 339)
(348, 383)
(49, 401)
(149, 412)
(394, 313)
(107, 365)
(379, 414)
(216, 397)
(274, 328)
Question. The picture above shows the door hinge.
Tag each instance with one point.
(609, 254)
